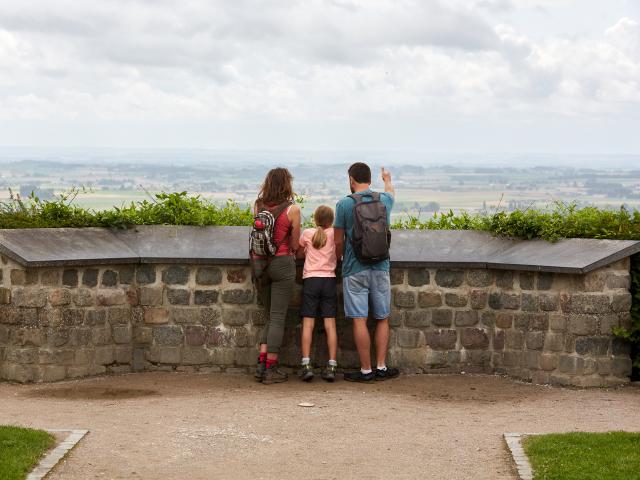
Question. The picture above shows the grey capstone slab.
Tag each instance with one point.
(41, 247)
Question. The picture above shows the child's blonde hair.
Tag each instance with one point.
(323, 217)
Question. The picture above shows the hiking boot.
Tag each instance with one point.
(329, 373)
(306, 375)
(386, 374)
(274, 375)
(360, 377)
(259, 373)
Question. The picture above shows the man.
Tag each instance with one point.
(367, 283)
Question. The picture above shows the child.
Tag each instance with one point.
(319, 290)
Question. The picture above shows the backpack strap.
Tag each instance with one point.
(375, 196)
(279, 209)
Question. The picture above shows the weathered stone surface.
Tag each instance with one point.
(474, 338)
(589, 303)
(146, 274)
(441, 339)
(195, 335)
(209, 276)
(583, 324)
(156, 315)
(175, 275)
(205, 297)
(405, 299)
(126, 274)
(170, 335)
(621, 302)
(480, 278)
(50, 278)
(23, 277)
(558, 322)
(504, 279)
(466, 318)
(259, 317)
(504, 320)
(111, 297)
(396, 276)
(170, 355)
(70, 277)
(417, 319)
(5, 296)
(233, 317)
(195, 356)
(20, 316)
(499, 340)
(121, 333)
(510, 301)
(621, 366)
(571, 364)
(534, 340)
(119, 316)
(57, 298)
(418, 277)
(72, 316)
(495, 300)
(526, 280)
(237, 275)
(237, 296)
(83, 297)
(529, 302)
(545, 280)
(441, 318)
(478, 299)
(554, 342)
(449, 278)
(548, 302)
(90, 277)
(178, 296)
(109, 278)
(409, 338)
(104, 355)
(210, 315)
(592, 345)
(29, 297)
(150, 296)
(429, 299)
(620, 347)
(514, 339)
(455, 300)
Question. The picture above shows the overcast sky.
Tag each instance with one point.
(424, 75)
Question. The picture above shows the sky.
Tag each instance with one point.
(454, 76)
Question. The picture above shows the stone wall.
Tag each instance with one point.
(58, 323)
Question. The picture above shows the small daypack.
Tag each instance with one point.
(371, 237)
(262, 242)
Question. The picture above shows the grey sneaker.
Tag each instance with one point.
(274, 375)
(259, 373)
(306, 374)
(329, 373)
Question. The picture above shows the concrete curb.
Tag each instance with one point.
(514, 444)
(58, 453)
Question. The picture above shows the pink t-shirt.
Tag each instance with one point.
(318, 262)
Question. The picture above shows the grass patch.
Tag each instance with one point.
(584, 456)
(20, 450)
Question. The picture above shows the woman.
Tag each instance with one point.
(277, 273)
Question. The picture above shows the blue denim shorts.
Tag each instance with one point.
(364, 289)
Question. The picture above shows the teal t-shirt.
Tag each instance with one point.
(344, 220)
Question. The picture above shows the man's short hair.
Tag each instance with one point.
(360, 172)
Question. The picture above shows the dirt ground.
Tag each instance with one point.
(177, 425)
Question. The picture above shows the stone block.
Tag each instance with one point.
(429, 299)
(620, 346)
(618, 281)
(109, 278)
(504, 320)
(109, 298)
(210, 315)
(150, 296)
(223, 356)
(95, 318)
(209, 276)
(488, 318)
(545, 280)
(397, 276)
(474, 338)
(441, 318)
(70, 277)
(499, 340)
(478, 299)
(449, 278)
(170, 335)
(538, 321)
(237, 275)
(234, 317)
(104, 355)
(466, 318)
(558, 323)
(621, 302)
(178, 296)
(621, 367)
(237, 296)
(504, 279)
(532, 359)
(52, 373)
(455, 300)
(205, 297)
(5, 296)
(126, 274)
(170, 355)
(29, 297)
(121, 334)
(514, 339)
(119, 315)
(217, 337)
(554, 342)
(571, 364)
(409, 338)
(83, 297)
(417, 319)
(418, 277)
(196, 356)
(23, 277)
(195, 335)
(529, 302)
(260, 317)
(123, 354)
(176, 275)
(540, 378)
(583, 324)
(405, 299)
(240, 337)
(156, 315)
(27, 337)
(441, 339)
(589, 303)
(495, 300)
(592, 345)
(19, 316)
(142, 334)
(510, 301)
(145, 274)
(526, 280)
(548, 361)
(90, 277)
(72, 316)
(50, 278)
(534, 340)
(512, 359)
(548, 302)
(479, 278)
(395, 319)
(607, 323)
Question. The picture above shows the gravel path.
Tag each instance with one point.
(164, 425)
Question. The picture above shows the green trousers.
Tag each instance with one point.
(275, 287)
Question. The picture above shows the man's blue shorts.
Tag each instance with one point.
(368, 287)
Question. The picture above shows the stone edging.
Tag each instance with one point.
(58, 453)
(514, 445)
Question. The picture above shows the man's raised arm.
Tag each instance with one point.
(388, 186)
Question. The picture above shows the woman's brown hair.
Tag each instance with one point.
(277, 187)
(323, 217)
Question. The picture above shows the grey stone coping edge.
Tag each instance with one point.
(514, 445)
(54, 457)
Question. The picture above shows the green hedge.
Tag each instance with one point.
(558, 221)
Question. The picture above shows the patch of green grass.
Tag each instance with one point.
(20, 450)
(585, 456)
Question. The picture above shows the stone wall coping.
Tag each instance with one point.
(48, 247)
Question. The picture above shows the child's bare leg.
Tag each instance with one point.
(332, 337)
(307, 336)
